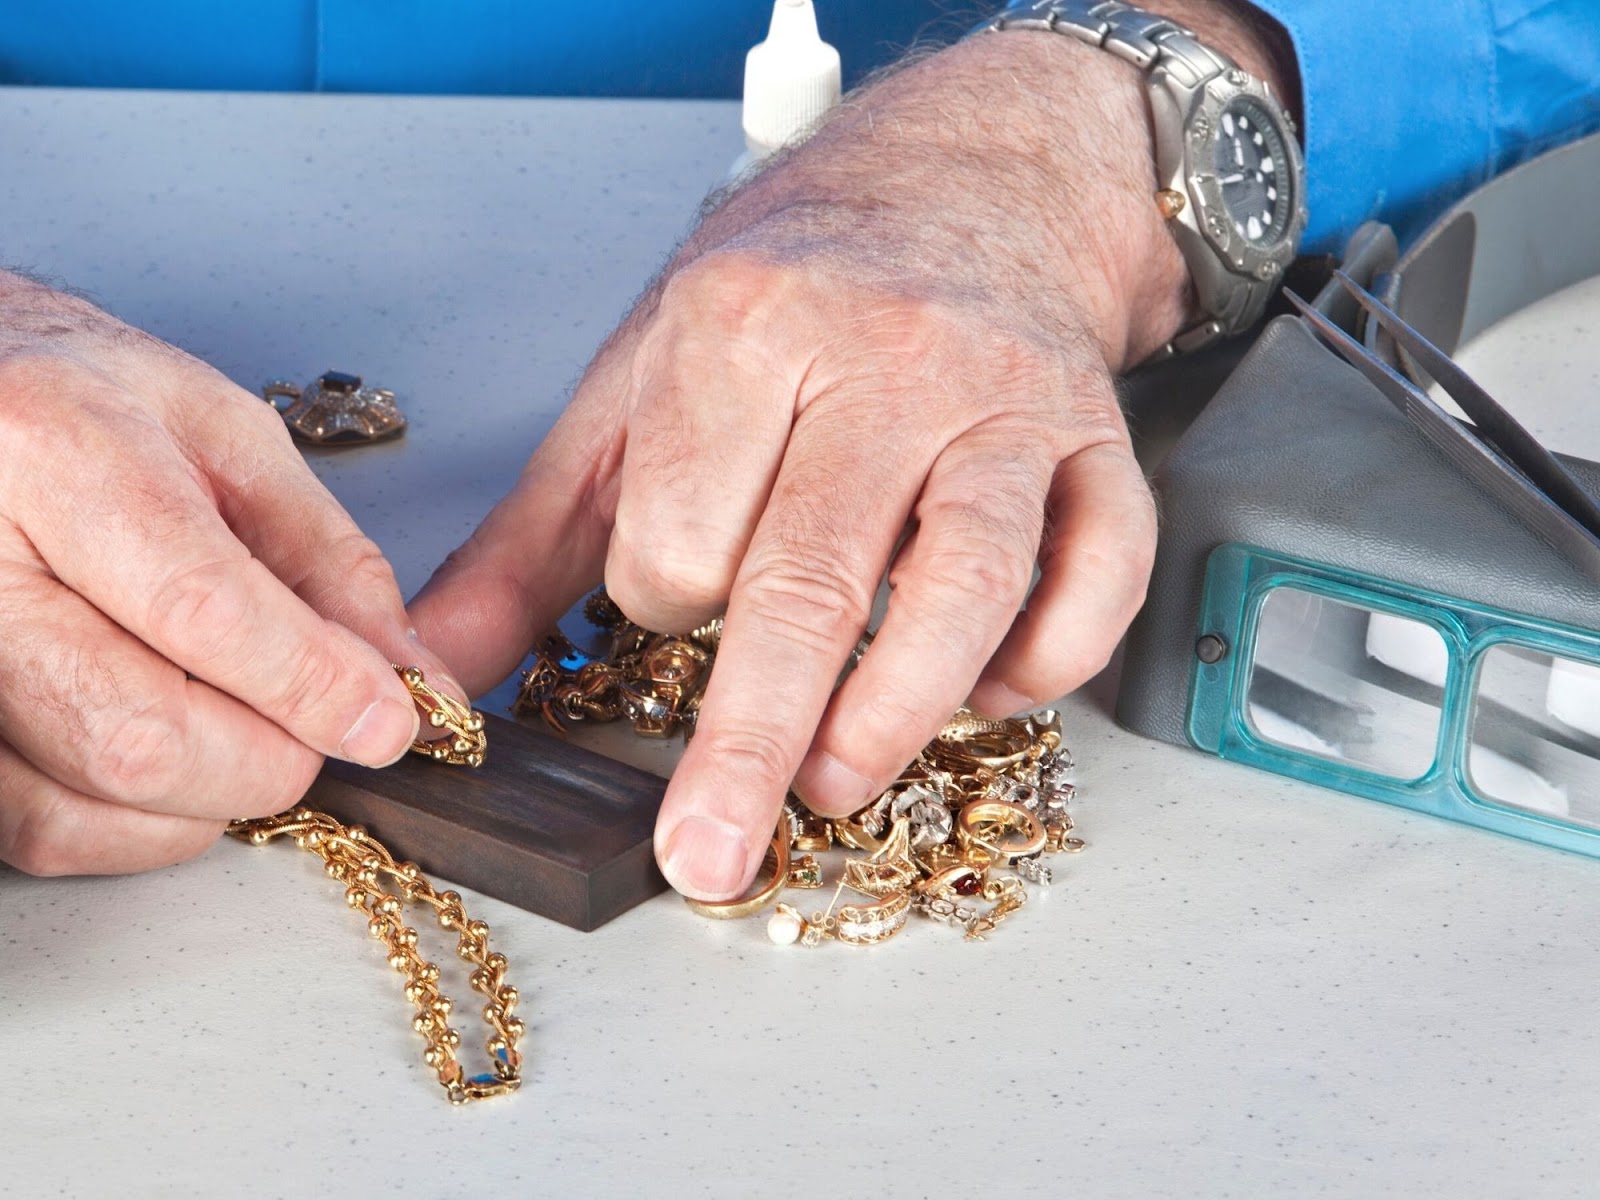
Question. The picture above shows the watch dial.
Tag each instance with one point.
(1253, 171)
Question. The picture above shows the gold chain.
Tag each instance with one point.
(466, 742)
(352, 856)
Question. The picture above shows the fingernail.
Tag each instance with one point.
(437, 677)
(706, 859)
(993, 698)
(381, 734)
(828, 786)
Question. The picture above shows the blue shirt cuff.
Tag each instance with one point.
(1399, 109)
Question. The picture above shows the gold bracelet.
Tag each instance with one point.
(777, 860)
(356, 859)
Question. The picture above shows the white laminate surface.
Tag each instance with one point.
(1246, 986)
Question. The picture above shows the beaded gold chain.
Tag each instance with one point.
(353, 857)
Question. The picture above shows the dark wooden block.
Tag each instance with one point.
(548, 826)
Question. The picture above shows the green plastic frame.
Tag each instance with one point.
(1238, 579)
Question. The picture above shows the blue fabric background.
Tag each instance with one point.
(1407, 105)
(497, 47)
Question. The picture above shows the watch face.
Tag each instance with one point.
(1253, 172)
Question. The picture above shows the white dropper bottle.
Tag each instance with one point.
(791, 80)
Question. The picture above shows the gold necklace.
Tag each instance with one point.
(379, 886)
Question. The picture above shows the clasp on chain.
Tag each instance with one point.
(481, 1087)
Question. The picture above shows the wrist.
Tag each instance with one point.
(1021, 164)
(37, 317)
(983, 170)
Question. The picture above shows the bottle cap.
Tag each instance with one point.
(790, 80)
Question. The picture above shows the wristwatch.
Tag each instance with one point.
(1230, 177)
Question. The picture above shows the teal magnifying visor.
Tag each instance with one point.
(1436, 704)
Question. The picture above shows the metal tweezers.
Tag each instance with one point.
(1495, 451)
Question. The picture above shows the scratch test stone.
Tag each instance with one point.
(546, 825)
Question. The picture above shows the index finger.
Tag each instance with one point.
(146, 545)
(799, 605)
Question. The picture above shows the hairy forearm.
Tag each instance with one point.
(1019, 163)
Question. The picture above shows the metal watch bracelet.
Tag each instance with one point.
(1153, 43)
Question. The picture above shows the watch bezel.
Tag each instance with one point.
(1211, 218)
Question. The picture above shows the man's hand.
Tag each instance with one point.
(893, 350)
(188, 618)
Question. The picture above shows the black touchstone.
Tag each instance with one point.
(338, 381)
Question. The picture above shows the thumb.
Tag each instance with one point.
(534, 556)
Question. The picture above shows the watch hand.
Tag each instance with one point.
(1227, 179)
(1238, 152)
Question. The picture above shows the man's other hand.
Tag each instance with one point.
(188, 618)
(893, 351)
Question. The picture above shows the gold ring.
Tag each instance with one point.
(1000, 749)
(776, 860)
(977, 819)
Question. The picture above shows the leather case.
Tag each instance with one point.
(1300, 455)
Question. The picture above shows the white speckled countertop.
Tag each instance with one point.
(1246, 987)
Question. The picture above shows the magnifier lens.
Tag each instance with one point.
(1535, 743)
(1346, 683)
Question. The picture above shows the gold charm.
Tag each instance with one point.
(805, 872)
(336, 410)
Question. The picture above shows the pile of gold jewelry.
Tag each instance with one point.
(967, 822)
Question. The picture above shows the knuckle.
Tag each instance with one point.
(972, 578)
(34, 388)
(43, 841)
(753, 754)
(141, 758)
(302, 688)
(364, 577)
(365, 569)
(133, 731)
(260, 419)
(1095, 421)
(204, 608)
(665, 578)
(730, 292)
(900, 720)
(29, 373)
(813, 601)
(898, 345)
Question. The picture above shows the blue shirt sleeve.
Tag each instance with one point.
(1409, 106)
